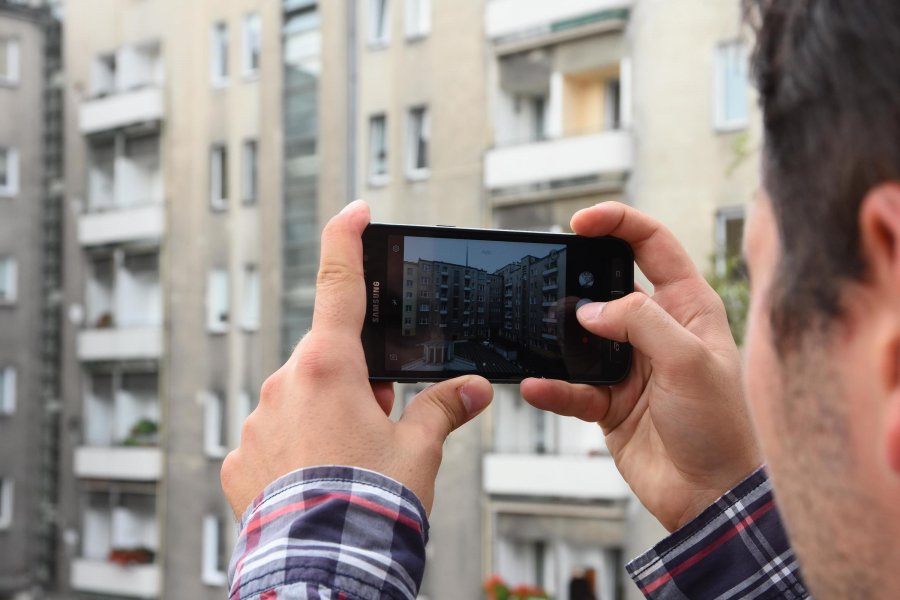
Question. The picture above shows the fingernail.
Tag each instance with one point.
(591, 312)
(474, 398)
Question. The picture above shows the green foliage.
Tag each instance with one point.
(734, 289)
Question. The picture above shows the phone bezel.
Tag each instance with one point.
(375, 251)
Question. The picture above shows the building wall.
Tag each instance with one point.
(21, 236)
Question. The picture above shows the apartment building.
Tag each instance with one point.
(641, 101)
(30, 168)
(171, 112)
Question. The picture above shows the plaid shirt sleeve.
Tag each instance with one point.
(737, 548)
(331, 533)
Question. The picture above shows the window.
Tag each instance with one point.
(6, 502)
(217, 301)
(250, 317)
(731, 86)
(613, 103)
(252, 45)
(729, 241)
(417, 150)
(418, 18)
(378, 149)
(250, 172)
(214, 564)
(7, 391)
(215, 433)
(9, 171)
(9, 62)
(379, 25)
(8, 280)
(218, 57)
(218, 177)
(539, 120)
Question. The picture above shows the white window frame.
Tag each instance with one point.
(378, 38)
(8, 391)
(376, 178)
(723, 216)
(218, 302)
(11, 188)
(215, 413)
(250, 309)
(250, 171)
(412, 142)
(218, 54)
(724, 57)
(418, 19)
(13, 70)
(218, 177)
(10, 286)
(213, 572)
(7, 495)
(251, 45)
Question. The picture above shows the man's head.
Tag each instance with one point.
(824, 250)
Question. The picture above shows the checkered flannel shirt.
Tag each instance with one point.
(346, 533)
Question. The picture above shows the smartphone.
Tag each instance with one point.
(444, 302)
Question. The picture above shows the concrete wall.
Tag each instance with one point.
(20, 323)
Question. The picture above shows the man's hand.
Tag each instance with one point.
(319, 408)
(677, 427)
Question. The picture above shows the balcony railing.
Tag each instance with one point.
(116, 344)
(122, 224)
(118, 110)
(514, 18)
(568, 158)
(557, 476)
(104, 577)
(119, 463)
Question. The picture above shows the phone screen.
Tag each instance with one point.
(498, 304)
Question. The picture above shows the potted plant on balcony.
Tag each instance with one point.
(105, 321)
(127, 557)
(496, 589)
(143, 433)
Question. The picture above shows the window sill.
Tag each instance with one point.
(379, 181)
(250, 77)
(8, 303)
(726, 128)
(250, 328)
(217, 330)
(418, 175)
(249, 202)
(9, 83)
(413, 38)
(214, 579)
(219, 207)
(216, 453)
(378, 44)
(8, 194)
(218, 86)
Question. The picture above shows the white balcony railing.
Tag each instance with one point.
(103, 577)
(118, 110)
(506, 18)
(607, 153)
(124, 464)
(132, 343)
(554, 476)
(124, 224)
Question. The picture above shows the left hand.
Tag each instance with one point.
(319, 408)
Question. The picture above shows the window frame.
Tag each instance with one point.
(7, 502)
(218, 54)
(212, 570)
(382, 40)
(8, 391)
(250, 320)
(723, 217)
(414, 172)
(376, 178)
(215, 420)
(723, 61)
(13, 75)
(10, 286)
(250, 171)
(11, 188)
(218, 177)
(421, 28)
(251, 45)
(217, 280)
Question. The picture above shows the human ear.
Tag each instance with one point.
(880, 237)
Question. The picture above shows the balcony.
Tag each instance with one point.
(117, 344)
(606, 154)
(103, 577)
(516, 19)
(559, 476)
(122, 464)
(119, 225)
(121, 109)
(550, 286)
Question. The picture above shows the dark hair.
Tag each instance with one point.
(828, 74)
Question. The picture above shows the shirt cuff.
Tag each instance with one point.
(335, 528)
(735, 548)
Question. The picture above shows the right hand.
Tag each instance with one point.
(678, 426)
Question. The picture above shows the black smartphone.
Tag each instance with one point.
(444, 301)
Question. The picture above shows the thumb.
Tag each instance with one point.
(444, 406)
(639, 320)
